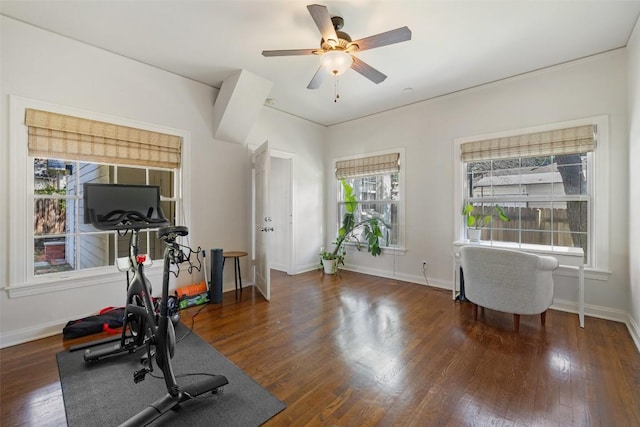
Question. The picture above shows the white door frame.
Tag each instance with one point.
(291, 252)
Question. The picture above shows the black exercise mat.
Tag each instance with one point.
(104, 394)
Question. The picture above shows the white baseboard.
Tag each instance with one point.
(634, 331)
(33, 333)
(306, 268)
(411, 278)
(591, 310)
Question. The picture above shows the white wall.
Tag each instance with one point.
(587, 88)
(43, 66)
(633, 76)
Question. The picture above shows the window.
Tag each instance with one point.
(376, 182)
(547, 199)
(54, 151)
(544, 180)
(61, 240)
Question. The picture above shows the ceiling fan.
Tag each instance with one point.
(337, 49)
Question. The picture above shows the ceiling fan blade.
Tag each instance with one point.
(317, 79)
(321, 17)
(368, 71)
(289, 52)
(390, 37)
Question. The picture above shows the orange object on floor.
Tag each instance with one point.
(191, 290)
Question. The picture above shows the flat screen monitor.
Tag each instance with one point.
(102, 200)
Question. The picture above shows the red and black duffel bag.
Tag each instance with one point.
(109, 320)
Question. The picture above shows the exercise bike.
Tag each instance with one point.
(133, 336)
(144, 325)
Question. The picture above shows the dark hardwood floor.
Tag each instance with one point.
(361, 350)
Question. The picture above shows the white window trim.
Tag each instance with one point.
(333, 217)
(22, 282)
(599, 175)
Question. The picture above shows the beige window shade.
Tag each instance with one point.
(555, 142)
(374, 165)
(54, 135)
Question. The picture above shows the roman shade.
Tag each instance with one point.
(373, 165)
(53, 135)
(573, 140)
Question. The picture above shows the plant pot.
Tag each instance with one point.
(330, 266)
(474, 234)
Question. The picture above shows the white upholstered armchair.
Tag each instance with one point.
(508, 280)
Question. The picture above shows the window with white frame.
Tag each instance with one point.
(542, 181)
(376, 182)
(61, 240)
(56, 154)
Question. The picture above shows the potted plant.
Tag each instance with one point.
(477, 218)
(330, 260)
(371, 233)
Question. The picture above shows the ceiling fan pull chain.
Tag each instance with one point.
(337, 95)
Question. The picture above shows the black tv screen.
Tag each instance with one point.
(101, 200)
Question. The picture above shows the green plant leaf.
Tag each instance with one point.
(471, 221)
(350, 202)
(348, 223)
(501, 214)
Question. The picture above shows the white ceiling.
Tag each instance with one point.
(455, 44)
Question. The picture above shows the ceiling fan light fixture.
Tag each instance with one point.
(336, 48)
(336, 62)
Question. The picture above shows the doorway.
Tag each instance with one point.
(272, 219)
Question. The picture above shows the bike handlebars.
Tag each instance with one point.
(126, 220)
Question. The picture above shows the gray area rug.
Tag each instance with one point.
(104, 394)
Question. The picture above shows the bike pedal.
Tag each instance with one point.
(139, 375)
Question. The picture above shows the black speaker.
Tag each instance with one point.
(215, 291)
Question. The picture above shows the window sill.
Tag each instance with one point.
(394, 251)
(385, 250)
(589, 273)
(572, 256)
(527, 247)
(79, 280)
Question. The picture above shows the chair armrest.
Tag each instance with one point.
(548, 263)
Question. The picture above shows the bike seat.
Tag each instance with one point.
(166, 233)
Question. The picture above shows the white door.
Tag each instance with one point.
(263, 224)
